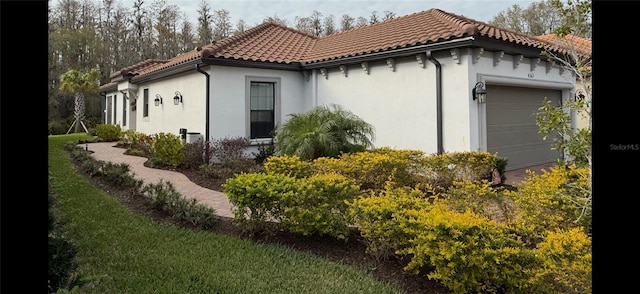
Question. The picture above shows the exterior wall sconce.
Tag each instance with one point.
(177, 99)
(579, 96)
(479, 93)
(158, 100)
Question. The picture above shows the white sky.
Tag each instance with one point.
(253, 12)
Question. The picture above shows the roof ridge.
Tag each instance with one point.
(210, 49)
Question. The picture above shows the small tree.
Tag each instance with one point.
(556, 121)
(325, 131)
(79, 83)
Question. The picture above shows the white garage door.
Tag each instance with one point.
(511, 125)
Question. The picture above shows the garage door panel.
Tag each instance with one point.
(512, 131)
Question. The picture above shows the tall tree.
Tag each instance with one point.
(222, 27)
(346, 23)
(241, 26)
(374, 17)
(187, 38)
(205, 18)
(388, 15)
(79, 83)
(545, 17)
(329, 25)
(276, 19)
(316, 23)
(361, 21)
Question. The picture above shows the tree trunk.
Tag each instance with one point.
(78, 111)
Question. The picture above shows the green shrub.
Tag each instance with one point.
(108, 132)
(167, 150)
(58, 127)
(118, 175)
(194, 155)
(265, 150)
(318, 205)
(61, 252)
(164, 197)
(256, 198)
(468, 253)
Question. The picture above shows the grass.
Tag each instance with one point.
(129, 253)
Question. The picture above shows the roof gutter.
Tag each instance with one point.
(467, 41)
(438, 100)
(207, 95)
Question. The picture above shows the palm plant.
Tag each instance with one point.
(325, 131)
(78, 83)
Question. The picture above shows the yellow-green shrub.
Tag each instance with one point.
(289, 165)
(381, 217)
(553, 199)
(372, 169)
(256, 197)
(567, 266)
(167, 149)
(468, 253)
(318, 206)
(441, 170)
(480, 198)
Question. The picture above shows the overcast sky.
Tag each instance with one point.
(253, 12)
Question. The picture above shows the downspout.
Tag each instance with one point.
(438, 100)
(206, 126)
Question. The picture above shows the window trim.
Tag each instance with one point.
(276, 104)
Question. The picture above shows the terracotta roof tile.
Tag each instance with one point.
(109, 86)
(581, 45)
(268, 42)
(426, 27)
(138, 68)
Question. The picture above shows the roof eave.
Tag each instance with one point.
(394, 53)
(252, 64)
(164, 73)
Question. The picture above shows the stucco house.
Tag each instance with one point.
(412, 77)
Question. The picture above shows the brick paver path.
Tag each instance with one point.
(106, 151)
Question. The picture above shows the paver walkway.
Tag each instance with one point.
(106, 151)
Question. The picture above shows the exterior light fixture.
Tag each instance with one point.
(479, 93)
(158, 100)
(579, 96)
(177, 99)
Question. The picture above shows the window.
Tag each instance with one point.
(115, 109)
(145, 105)
(124, 110)
(262, 100)
(108, 112)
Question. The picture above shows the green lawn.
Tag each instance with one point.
(129, 253)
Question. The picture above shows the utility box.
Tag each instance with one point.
(193, 137)
(183, 134)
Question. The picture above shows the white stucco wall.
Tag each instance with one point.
(401, 103)
(167, 117)
(229, 108)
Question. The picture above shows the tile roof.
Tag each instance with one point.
(138, 68)
(276, 43)
(268, 42)
(581, 45)
(421, 28)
